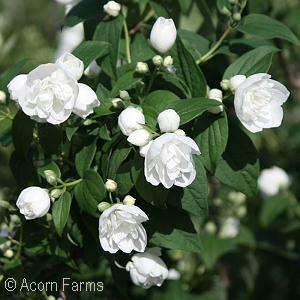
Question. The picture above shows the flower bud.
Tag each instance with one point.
(236, 81)
(241, 211)
(110, 185)
(88, 122)
(8, 253)
(92, 70)
(215, 94)
(51, 177)
(55, 193)
(144, 149)
(237, 17)
(2, 97)
(102, 206)
(117, 103)
(141, 67)
(131, 119)
(139, 137)
(224, 84)
(112, 8)
(163, 34)
(180, 132)
(124, 95)
(168, 61)
(157, 60)
(129, 200)
(225, 11)
(210, 227)
(168, 120)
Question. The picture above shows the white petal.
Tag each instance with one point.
(16, 87)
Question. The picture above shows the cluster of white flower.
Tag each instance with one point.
(168, 158)
(51, 92)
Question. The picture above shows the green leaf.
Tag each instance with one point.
(116, 160)
(85, 10)
(126, 82)
(239, 166)
(51, 166)
(139, 49)
(185, 5)
(11, 72)
(186, 66)
(124, 179)
(159, 99)
(193, 198)
(255, 61)
(189, 109)
(265, 27)
(110, 32)
(142, 5)
(211, 135)
(50, 137)
(90, 192)
(85, 157)
(273, 206)
(22, 132)
(172, 229)
(88, 51)
(60, 212)
(159, 10)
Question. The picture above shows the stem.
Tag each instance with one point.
(209, 54)
(64, 185)
(153, 75)
(127, 41)
(6, 115)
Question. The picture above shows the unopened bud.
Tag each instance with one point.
(129, 200)
(225, 11)
(224, 84)
(241, 211)
(124, 95)
(215, 94)
(117, 103)
(110, 185)
(8, 253)
(102, 206)
(144, 149)
(210, 227)
(168, 61)
(51, 177)
(88, 122)
(236, 81)
(55, 193)
(139, 137)
(142, 67)
(157, 60)
(2, 97)
(237, 17)
(51, 297)
(179, 132)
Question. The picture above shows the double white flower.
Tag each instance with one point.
(258, 101)
(33, 202)
(120, 228)
(50, 93)
(147, 269)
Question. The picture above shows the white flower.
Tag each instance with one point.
(169, 161)
(120, 228)
(33, 202)
(236, 81)
(163, 34)
(147, 269)
(215, 94)
(168, 120)
(66, 2)
(71, 64)
(49, 94)
(272, 180)
(258, 102)
(230, 228)
(130, 120)
(112, 8)
(85, 102)
(139, 137)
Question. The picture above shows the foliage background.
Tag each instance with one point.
(265, 269)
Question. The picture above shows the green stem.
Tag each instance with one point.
(209, 54)
(65, 185)
(127, 41)
(6, 115)
(153, 75)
